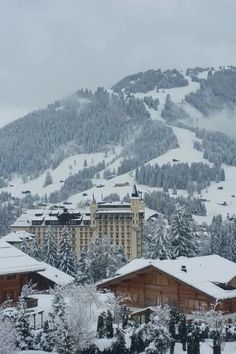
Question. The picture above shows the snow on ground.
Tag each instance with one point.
(177, 93)
(206, 348)
(66, 168)
(184, 153)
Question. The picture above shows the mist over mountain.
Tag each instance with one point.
(146, 122)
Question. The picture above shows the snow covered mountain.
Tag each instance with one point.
(96, 143)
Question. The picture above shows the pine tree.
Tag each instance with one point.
(35, 250)
(101, 325)
(59, 334)
(118, 346)
(46, 342)
(181, 234)
(24, 337)
(124, 314)
(109, 325)
(24, 246)
(100, 260)
(183, 332)
(156, 239)
(48, 179)
(172, 330)
(49, 251)
(8, 334)
(66, 257)
(82, 276)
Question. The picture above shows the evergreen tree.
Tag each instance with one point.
(24, 246)
(35, 250)
(181, 234)
(124, 314)
(156, 239)
(118, 346)
(66, 258)
(183, 331)
(100, 260)
(102, 325)
(82, 276)
(24, 338)
(48, 179)
(172, 331)
(49, 251)
(109, 325)
(216, 342)
(59, 334)
(46, 342)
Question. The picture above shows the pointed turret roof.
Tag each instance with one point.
(94, 200)
(135, 192)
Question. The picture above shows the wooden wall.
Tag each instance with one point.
(11, 285)
(152, 287)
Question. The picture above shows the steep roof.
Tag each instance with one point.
(202, 273)
(55, 275)
(135, 192)
(14, 261)
(18, 236)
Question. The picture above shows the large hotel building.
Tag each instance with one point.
(121, 222)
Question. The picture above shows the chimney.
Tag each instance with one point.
(183, 268)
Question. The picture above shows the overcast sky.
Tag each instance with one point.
(50, 48)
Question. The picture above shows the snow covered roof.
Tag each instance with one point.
(114, 211)
(150, 213)
(17, 236)
(113, 204)
(57, 276)
(14, 261)
(46, 215)
(202, 273)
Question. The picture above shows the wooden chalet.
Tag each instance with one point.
(17, 269)
(186, 284)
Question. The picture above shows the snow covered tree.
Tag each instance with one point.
(109, 325)
(118, 345)
(35, 249)
(48, 179)
(101, 325)
(80, 314)
(66, 257)
(24, 246)
(101, 260)
(172, 330)
(7, 334)
(156, 239)
(49, 250)
(60, 335)
(182, 326)
(46, 340)
(24, 337)
(82, 276)
(124, 314)
(182, 238)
